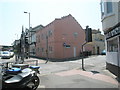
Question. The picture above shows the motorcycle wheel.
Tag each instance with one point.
(34, 83)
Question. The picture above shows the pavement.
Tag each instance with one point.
(70, 75)
(100, 77)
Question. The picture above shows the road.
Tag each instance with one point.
(69, 74)
(95, 64)
(7, 60)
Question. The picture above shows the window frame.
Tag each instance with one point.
(106, 14)
(110, 7)
(75, 34)
(50, 33)
(112, 45)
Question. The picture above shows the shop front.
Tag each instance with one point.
(113, 49)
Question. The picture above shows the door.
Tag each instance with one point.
(98, 50)
(74, 49)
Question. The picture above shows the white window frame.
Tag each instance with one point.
(112, 46)
(105, 9)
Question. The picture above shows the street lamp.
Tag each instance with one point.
(28, 33)
(29, 18)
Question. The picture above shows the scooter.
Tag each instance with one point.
(17, 77)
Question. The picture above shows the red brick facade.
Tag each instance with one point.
(65, 38)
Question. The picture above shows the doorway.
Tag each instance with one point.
(98, 50)
(74, 51)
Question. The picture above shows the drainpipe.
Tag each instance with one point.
(46, 49)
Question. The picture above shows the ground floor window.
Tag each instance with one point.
(50, 49)
(112, 45)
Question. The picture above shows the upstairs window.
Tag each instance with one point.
(42, 49)
(42, 36)
(50, 33)
(75, 34)
(109, 7)
(106, 8)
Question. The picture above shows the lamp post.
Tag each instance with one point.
(29, 18)
(28, 34)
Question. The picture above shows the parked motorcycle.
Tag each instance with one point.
(20, 76)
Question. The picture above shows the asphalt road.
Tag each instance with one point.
(70, 75)
(7, 60)
(95, 64)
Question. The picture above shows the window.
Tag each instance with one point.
(38, 38)
(49, 33)
(42, 36)
(75, 34)
(42, 49)
(112, 45)
(106, 8)
(50, 49)
(109, 7)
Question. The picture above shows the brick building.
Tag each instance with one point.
(33, 39)
(60, 39)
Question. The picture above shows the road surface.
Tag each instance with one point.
(70, 75)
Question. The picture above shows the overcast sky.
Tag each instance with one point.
(12, 16)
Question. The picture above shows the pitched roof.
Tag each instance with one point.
(64, 17)
(38, 27)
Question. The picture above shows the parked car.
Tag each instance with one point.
(103, 52)
(5, 54)
(11, 53)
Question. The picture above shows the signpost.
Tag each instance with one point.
(88, 34)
